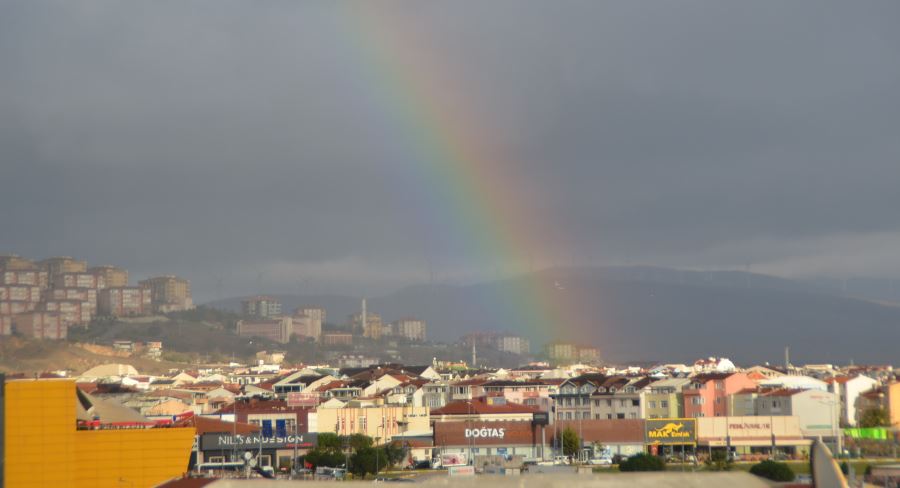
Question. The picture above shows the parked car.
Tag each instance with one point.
(601, 461)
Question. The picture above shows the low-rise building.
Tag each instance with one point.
(619, 397)
(275, 329)
(337, 339)
(848, 389)
(379, 422)
(708, 393)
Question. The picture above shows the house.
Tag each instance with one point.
(707, 394)
(848, 389)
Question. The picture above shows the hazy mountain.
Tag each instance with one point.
(647, 313)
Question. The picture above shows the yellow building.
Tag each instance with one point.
(378, 422)
(43, 447)
(114, 276)
(169, 293)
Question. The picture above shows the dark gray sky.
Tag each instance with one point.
(252, 142)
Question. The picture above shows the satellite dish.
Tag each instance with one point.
(248, 455)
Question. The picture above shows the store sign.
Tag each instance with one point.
(670, 431)
(215, 442)
(486, 432)
(302, 399)
(540, 418)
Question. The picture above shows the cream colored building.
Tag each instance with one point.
(169, 293)
(664, 399)
(114, 276)
(379, 422)
(411, 329)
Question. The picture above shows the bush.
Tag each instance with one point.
(773, 470)
(642, 462)
(719, 461)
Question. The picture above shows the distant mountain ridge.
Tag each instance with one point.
(656, 314)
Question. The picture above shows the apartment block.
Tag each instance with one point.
(14, 307)
(78, 280)
(373, 328)
(307, 327)
(24, 293)
(512, 344)
(125, 301)
(41, 325)
(30, 277)
(169, 293)
(588, 354)
(14, 262)
(81, 294)
(337, 339)
(62, 264)
(316, 313)
(561, 352)
(276, 330)
(410, 329)
(6, 324)
(664, 400)
(72, 312)
(708, 393)
(261, 306)
(114, 276)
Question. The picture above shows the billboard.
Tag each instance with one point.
(302, 399)
(454, 459)
(670, 431)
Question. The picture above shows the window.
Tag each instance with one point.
(623, 403)
(652, 403)
(596, 403)
(568, 415)
(608, 403)
(596, 416)
(363, 424)
(632, 415)
(609, 416)
(635, 403)
(720, 385)
(620, 415)
(664, 403)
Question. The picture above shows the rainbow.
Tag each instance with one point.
(466, 172)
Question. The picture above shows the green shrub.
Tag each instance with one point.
(642, 462)
(773, 470)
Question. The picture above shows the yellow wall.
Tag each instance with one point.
(43, 447)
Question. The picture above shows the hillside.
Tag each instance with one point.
(31, 356)
(642, 313)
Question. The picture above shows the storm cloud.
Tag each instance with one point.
(251, 144)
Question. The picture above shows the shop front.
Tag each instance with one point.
(229, 450)
(753, 436)
(670, 437)
(461, 442)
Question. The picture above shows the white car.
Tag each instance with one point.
(601, 461)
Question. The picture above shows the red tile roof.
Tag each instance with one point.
(480, 406)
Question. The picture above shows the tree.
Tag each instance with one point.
(719, 461)
(570, 442)
(359, 441)
(329, 440)
(773, 470)
(875, 417)
(368, 460)
(643, 462)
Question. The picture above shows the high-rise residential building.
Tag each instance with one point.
(14, 262)
(61, 264)
(561, 351)
(316, 313)
(512, 344)
(73, 312)
(169, 293)
(306, 326)
(337, 339)
(261, 306)
(125, 301)
(114, 276)
(410, 329)
(373, 329)
(588, 354)
(32, 277)
(78, 280)
(274, 329)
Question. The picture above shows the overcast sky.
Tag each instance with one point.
(253, 143)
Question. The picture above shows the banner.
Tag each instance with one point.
(670, 431)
